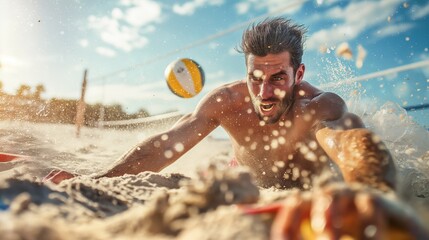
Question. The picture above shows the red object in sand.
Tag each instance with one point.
(7, 157)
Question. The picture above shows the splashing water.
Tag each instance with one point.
(407, 141)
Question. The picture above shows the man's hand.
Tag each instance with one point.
(334, 212)
(56, 176)
(338, 211)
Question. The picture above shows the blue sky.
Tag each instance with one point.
(126, 45)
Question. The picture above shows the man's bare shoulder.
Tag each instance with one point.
(234, 92)
(325, 105)
(223, 98)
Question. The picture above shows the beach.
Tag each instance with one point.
(197, 197)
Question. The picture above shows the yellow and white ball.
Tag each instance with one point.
(185, 77)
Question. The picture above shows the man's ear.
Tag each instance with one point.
(299, 75)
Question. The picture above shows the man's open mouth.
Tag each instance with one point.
(267, 106)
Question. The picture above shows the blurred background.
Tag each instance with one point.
(125, 46)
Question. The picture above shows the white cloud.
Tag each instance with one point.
(189, 7)
(393, 29)
(327, 2)
(270, 5)
(142, 13)
(356, 17)
(107, 52)
(117, 13)
(419, 11)
(124, 28)
(84, 43)
(120, 36)
(242, 7)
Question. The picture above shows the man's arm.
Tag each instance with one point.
(161, 150)
(361, 155)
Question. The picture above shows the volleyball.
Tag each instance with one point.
(185, 77)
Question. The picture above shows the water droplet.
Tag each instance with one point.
(323, 158)
(310, 156)
(275, 133)
(247, 139)
(253, 146)
(247, 99)
(295, 173)
(266, 148)
(303, 149)
(229, 196)
(313, 145)
(305, 173)
(301, 92)
(179, 147)
(307, 117)
(282, 140)
(262, 123)
(375, 138)
(288, 123)
(274, 144)
(279, 164)
(164, 137)
(279, 93)
(157, 144)
(168, 154)
(370, 231)
(274, 169)
(258, 73)
(249, 111)
(265, 138)
(348, 122)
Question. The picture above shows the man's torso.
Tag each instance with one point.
(284, 154)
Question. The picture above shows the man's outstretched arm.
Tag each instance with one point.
(161, 150)
(360, 154)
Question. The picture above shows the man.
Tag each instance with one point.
(287, 132)
(283, 128)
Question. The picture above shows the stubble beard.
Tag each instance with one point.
(284, 106)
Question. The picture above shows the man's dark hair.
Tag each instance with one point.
(273, 36)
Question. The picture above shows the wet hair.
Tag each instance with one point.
(273, 36)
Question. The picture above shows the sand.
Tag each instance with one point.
(198, 197)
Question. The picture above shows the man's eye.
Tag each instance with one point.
(278, 78)
(256, 79)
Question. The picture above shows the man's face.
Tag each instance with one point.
(270, 80)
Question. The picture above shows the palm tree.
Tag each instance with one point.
(23, 90)
(39, 90)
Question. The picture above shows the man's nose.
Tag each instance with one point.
(266, 91)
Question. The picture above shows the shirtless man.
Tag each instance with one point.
(286, 131)
(283, 128)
